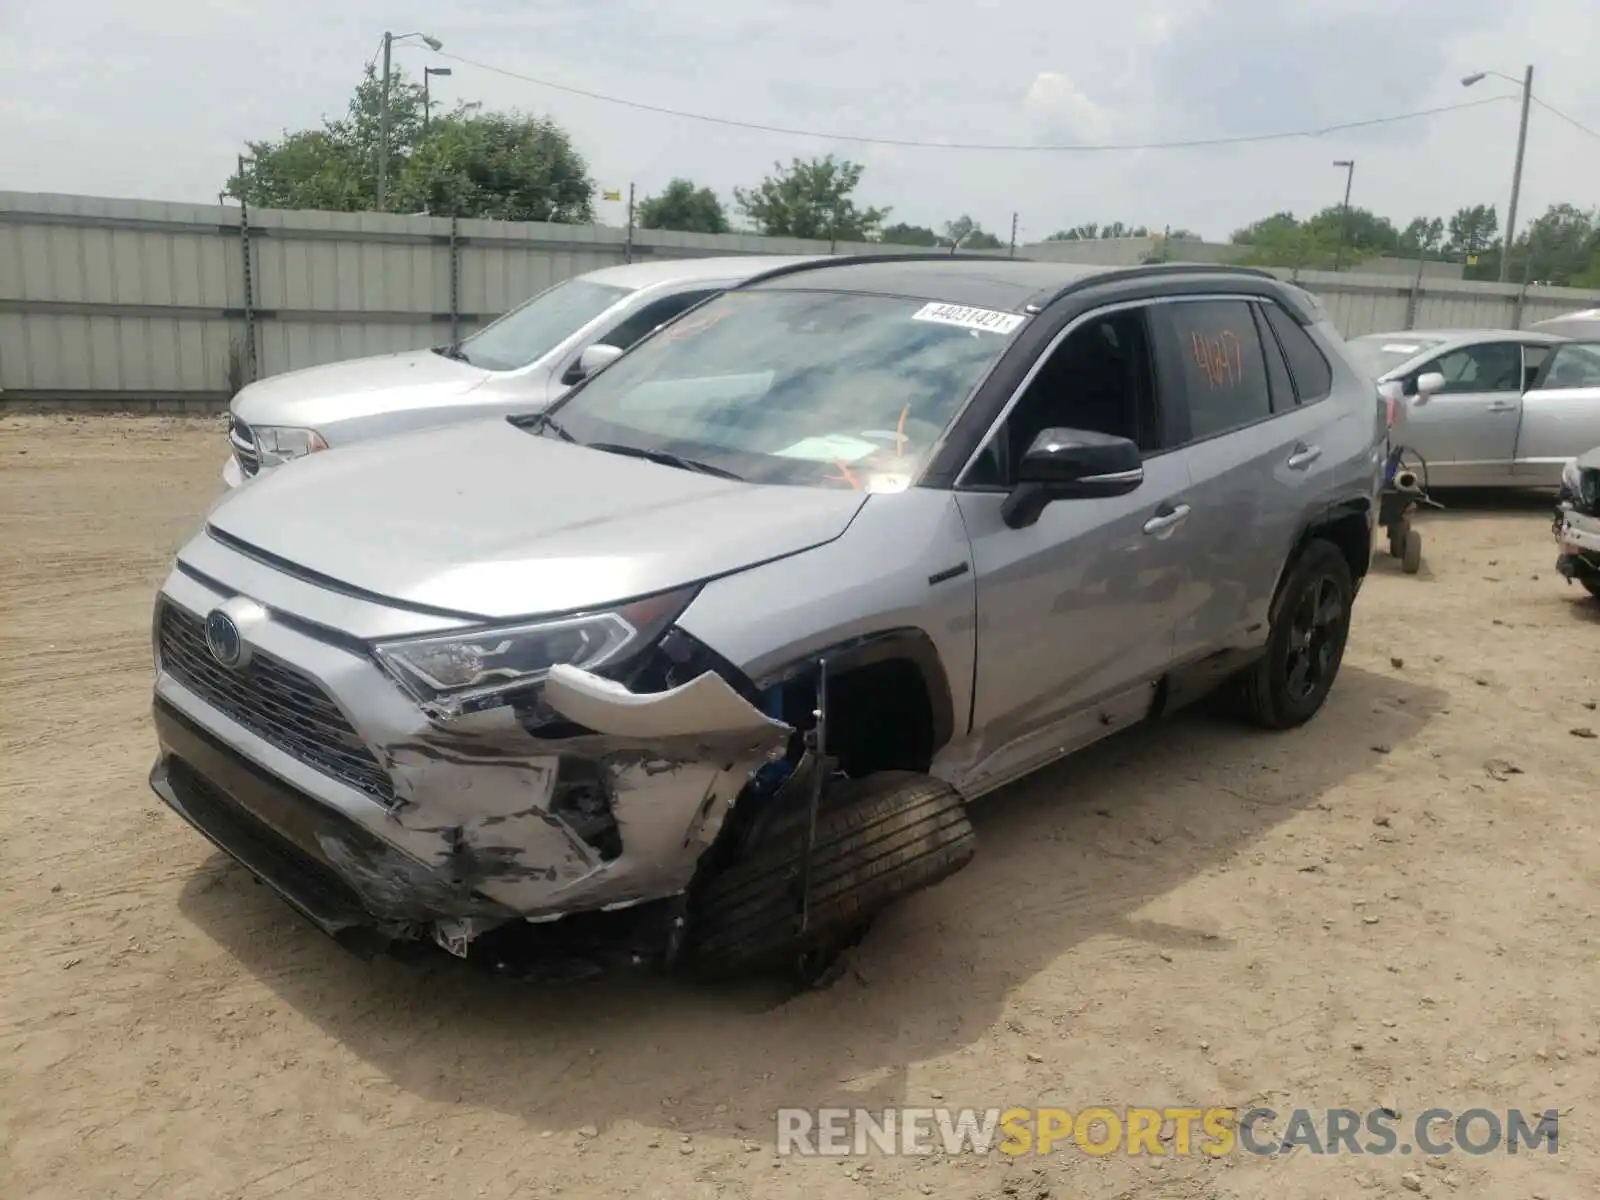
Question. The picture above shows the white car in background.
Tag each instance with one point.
(1488, 407)
(519, 362)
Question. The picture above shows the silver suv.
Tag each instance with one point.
(522, 360)
(728, 636)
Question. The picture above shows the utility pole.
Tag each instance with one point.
(628, 249)
(1013, 235)
(1349, 165)
(1516, 172)
(383, 123)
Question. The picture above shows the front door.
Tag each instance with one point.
(1075, 612)
(1560, 414)
(1467, 433)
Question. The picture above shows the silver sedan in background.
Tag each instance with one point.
(1489, 407)
(520, 362)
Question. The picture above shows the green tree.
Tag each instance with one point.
(969, 235)
(466, 163)
(1556, 248)
(1362, 231)
(901, 234)
(684, 207)
(1472, 231)
(1092, 231)
(497, 166)
(1281, 241)
(811, 200)
(1423, 235)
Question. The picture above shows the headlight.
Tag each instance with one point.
(1570, 478)
(470, 670)
(279, 443)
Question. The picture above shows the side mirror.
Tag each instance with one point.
(1428, 386)
(595, 358)
(1071, 464)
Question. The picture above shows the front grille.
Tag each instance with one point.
(273, 701)
(243, 443)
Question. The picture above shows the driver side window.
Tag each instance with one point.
(1490, 367)
(1098, 379)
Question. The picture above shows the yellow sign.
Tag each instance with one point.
(610, 195)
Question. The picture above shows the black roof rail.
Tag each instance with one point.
(1144, 270)
(852, 260)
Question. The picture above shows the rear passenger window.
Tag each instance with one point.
(1221, 371)
(1313, 377)
(1283, 397)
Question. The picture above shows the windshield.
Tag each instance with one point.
(531, 330)
(1379, 354)
(823, 389)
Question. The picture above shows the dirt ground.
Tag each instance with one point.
(1371, 910)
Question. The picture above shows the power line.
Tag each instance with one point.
(1185, 144)
(1573, 121)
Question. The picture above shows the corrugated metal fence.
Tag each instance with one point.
(140, 304)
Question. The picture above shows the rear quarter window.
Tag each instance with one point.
(1313, 376)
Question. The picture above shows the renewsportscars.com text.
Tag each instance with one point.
(1213, 1132)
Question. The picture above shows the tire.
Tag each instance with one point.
(1411, 553)
(877, 839)
(1274, 695)
(1592, 586)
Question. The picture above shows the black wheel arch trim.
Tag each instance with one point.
(906, 642)
(1339, 510)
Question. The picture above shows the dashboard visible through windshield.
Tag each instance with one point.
(831, 389)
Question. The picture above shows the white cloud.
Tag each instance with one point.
(1063, 112)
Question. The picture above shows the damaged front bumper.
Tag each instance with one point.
(313, 770)
(1578, 541)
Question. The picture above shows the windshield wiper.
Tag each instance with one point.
(667, 459)
(539, 421)
(452, 351)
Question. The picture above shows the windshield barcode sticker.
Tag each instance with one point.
(984, 320)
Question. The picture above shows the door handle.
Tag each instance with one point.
(1164, 522)
(1302, 456)
(1502, 406)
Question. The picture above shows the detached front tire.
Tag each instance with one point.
(877, 839)
(1289, 684)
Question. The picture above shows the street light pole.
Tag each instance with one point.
(1522, 144)
(427, 103)
(1349, 165)
(389, 39)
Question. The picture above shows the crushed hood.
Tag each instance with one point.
(490, 520)
(317, 396)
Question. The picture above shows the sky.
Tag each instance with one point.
(154, 99)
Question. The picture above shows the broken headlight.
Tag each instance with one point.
(469, 670)
(1571, 480)
(279, 443)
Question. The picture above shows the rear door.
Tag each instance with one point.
(1254, 464)
(1560, 414)
(1467, 433)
